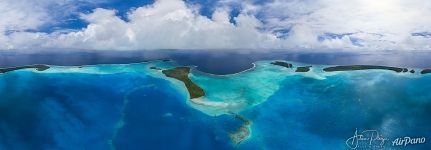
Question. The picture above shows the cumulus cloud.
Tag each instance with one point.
(166, 24)
(279, 24)
(18, 17)
(382, 24)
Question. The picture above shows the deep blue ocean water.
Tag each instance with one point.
(130, 107)
(308, 114)
(83, 111)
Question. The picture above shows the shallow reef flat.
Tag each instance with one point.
(231, 94)
(236, 92)
(243, 132)
(273, 100)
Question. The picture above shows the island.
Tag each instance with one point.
(363, 67)
(412, 71)
(303, 69)
(182, 74)
(155, 68)
(425, 71)
(38, 67)
(243, 131)
(282, 63)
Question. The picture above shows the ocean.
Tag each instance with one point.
(121, 105)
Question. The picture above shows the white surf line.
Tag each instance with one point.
(224, 75)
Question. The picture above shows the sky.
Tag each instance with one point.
(333, 25)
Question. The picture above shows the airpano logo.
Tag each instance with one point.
(408, 141)
(372, 139)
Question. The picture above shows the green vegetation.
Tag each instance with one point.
(155, 68)
(282, 63)
(425, 71)
(182, 74)
(37, 67)
(363, 67)
(303, 69)
(412, 71)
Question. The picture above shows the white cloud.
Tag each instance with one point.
(380, 24)
(19, 16)
(167, 24)
(31, 14)
(172, 24)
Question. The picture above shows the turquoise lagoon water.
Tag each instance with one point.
(130, 106)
